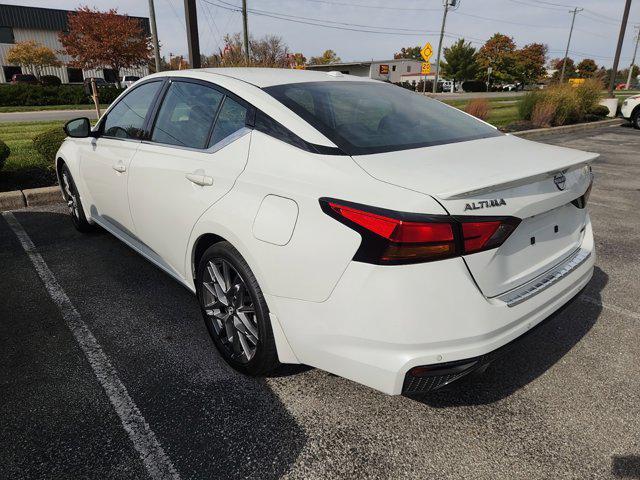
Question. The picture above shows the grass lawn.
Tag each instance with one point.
(36, 108)
(503, 111)
(25, 168)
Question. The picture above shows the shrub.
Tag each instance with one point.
(474, 86)
(589, 94)
(526, 104)
(48, 143)
(565, 99)
(543, 114)
(25, 94)
(479, 108)
(4, 153)
(50, 80)
(599, 111)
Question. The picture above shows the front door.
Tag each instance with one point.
(105, 161)
(186, 167)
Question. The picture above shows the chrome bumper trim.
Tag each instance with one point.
(544, 281)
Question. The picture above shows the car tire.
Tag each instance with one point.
(72, 197)
(635, 119)
(235, 311)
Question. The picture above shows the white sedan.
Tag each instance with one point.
(336, 221)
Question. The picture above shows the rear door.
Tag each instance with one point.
(197, 148)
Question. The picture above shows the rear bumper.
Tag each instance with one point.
(380, 322)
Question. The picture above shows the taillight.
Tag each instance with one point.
(392, 238)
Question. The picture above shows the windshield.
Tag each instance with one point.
(372, 117)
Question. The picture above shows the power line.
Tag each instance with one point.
(375, 7)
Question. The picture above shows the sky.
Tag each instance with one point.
(375, 29)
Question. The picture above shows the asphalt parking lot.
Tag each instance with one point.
(564, 403)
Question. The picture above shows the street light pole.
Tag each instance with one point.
(633, 60)
(444, 21)
(616, 60)
(566, 52)
(154, 35)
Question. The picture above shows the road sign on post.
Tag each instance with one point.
(426, 52)
(426, 68)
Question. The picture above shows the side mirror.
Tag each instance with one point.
(78, 128)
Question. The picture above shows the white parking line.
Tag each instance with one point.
(151, 453)
(613, 308)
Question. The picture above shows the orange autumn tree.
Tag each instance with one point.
(98, 39)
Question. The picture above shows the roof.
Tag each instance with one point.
(36, 18)
(266, 77)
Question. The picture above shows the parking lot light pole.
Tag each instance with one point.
(616, 60)
(633, 60)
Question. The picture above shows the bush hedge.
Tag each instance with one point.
(4, 153)
(25, 94)
(48, 143)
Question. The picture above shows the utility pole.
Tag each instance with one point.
(616, 60)
(246, 31)
(444, 21)
(566, 52)
(191, 18)
(633, 60)
(154, 34)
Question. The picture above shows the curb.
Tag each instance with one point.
(540, 132)
(31, 197)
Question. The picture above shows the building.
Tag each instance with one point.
(386, 70)
(20, 24)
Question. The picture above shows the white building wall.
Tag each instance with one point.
(49, 38)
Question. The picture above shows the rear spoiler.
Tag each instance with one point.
(484, 186)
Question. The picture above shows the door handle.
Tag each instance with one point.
(119, 167)
(199, 179)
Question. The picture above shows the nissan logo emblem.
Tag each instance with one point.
(560, 180)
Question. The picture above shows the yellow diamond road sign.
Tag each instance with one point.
(426, 52)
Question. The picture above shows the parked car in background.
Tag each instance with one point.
(631, 110)
(129, 80)
(100, 82)
(50, 80)
(24, 78)
(336, 221)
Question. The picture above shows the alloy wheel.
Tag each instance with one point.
(229, 308)
(69, 191)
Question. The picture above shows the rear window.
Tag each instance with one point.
(370, 117)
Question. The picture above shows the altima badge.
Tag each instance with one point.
(560, 180)
(497, 202)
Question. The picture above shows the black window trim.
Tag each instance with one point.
(99, 128)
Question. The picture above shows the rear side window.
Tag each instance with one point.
(373, 117)
(186, 115)
(126, 119)
(232, 117)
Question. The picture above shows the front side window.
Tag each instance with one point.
(126, 119)
(232, 118)
(187, 113)
(373, 117)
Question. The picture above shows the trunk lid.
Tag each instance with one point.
(501, 176)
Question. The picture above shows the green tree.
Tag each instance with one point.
(570, 69)
(409, 52)
(329, 56)
(587, 68)
(459, 61)
(499, 53)
(530, 63)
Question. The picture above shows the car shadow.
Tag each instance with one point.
(210, 420)
(529, 358)
(626, 466)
